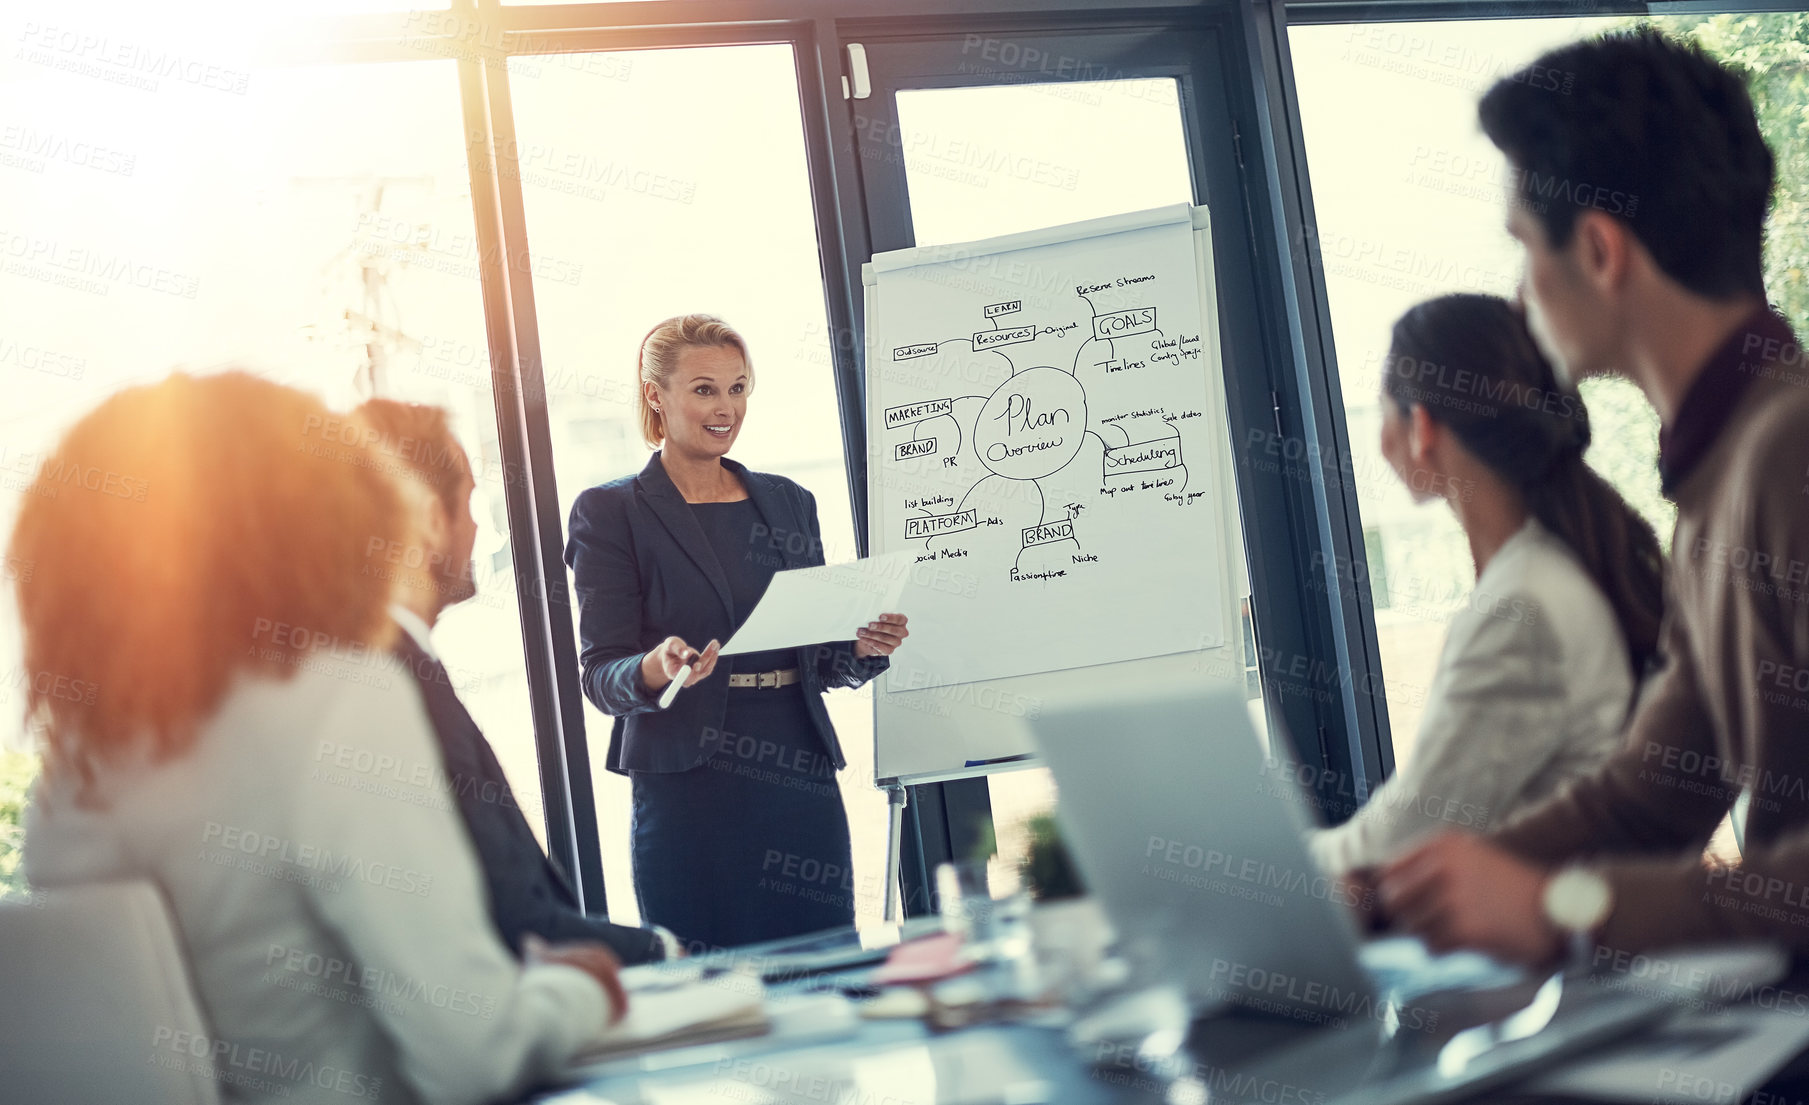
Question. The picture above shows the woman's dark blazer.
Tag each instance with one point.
(644, 571)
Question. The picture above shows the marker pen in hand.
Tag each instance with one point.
(671, 691)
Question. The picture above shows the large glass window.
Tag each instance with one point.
(1410, 205)
(657, 183)
(1410, 200)
(312, 224)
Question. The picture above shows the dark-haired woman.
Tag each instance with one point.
(1540, 666)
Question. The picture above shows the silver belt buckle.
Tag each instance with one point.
(767, 679)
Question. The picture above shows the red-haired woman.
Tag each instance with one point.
(221, 717)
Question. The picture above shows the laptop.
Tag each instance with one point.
(1194, 842)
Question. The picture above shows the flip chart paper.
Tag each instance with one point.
(1045, 423)
(808, 606)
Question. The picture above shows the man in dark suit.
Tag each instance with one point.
(529, 895)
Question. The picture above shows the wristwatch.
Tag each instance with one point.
(1577, 902)
(669, 945)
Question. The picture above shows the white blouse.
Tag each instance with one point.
(327, 896)
(1531, 691)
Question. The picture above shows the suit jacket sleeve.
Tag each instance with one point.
(631, 945)
(835, 661)
(529, 892)
(607, 580)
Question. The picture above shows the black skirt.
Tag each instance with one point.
(751, 845)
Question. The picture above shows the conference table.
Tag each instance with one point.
(821, 1051)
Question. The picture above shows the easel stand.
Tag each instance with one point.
(896, 797)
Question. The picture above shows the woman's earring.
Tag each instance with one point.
(656, 410)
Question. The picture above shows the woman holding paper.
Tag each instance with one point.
(739, 834)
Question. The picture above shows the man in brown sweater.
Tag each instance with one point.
(1641, 187)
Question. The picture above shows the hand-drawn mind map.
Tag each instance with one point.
(1046, 435)
(1091, 371)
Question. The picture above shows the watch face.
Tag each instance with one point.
(1577, 900)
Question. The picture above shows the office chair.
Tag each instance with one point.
(99, 1007)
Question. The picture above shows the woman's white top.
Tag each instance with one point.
(1531, 691)
(327, 896)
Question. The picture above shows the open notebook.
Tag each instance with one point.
(663, 1014)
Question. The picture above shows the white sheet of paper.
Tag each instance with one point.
(661, 1016)
(808, 606)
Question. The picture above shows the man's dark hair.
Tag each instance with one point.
(419, 439)
(1653, 131)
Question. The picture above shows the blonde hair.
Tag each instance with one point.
(659, 357)
(182, 532)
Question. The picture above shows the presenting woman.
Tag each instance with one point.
(739, 834)
(1540, 665)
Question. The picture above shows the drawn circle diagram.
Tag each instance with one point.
(1032, 425)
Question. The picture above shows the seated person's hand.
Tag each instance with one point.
(662, 664)
(1459, 891)
(595, 960)
(880, 637)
